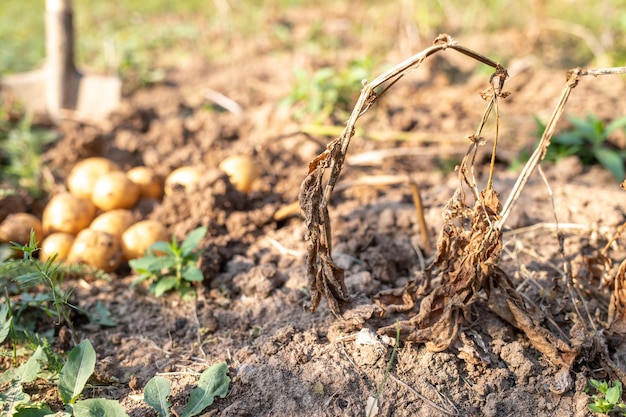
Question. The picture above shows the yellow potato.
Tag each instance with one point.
(149, 182)
(96, 248)
(114, 222)
(67, 213)
(140, 236)
(187, 177)
(16, 228)
(115, 190)
(57, 243)
(241, 170)
(85, 173)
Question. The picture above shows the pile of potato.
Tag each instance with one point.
(93, 222)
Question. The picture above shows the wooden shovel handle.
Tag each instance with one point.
(62, 75)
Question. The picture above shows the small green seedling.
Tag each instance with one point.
(80, 364)
(589, 140)
(610, 398)
(214, 381)
(176, 270)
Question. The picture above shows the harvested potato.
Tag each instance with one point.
(187, 177)
(85, 173)
(115, 190)
(16, 228)
(149, 182)
(97, 249)
(241, 170)
(57, 243)
(114, 222)
(67, 213)
(140, 236)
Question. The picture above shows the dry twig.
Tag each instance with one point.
(573, 78)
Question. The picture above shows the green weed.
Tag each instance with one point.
(214, 381)
(20, 276)
(71, 382)
(33, 293)
(73, 377)
(589, 140)
(20, 158)
(610, 398)
(327, 91)
(19, 302)
(176, 270)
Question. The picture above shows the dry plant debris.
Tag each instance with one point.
(470, 242)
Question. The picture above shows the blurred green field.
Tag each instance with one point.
(139, 36)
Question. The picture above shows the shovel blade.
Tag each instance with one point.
(97, 96)
(30, 89)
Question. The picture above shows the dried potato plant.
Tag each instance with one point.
(470, 242)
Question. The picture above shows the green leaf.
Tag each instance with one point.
(8, 375)
(5, 325)
(568, 139)
(614, 394)
(163, 285)
(213, 382)
(192, 273)
(28, 371)
(162, 247)
(610, 160)
(155, 395)
(99, 407)
(585, 127)
(79, 366)
(28, 279)
(595, 408)
(33, 410)
(152, 264)
(141, 264)
(12, 397)
(601, 386)
(193, 240)
(614, 125)
(141, 278)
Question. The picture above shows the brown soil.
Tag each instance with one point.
(285, 361)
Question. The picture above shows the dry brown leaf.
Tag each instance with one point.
(465, 259)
